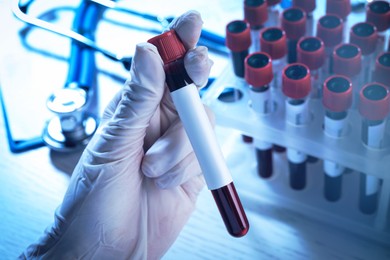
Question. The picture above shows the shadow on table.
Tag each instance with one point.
(65, 162)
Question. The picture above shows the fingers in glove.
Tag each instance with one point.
(111, 107)
(198, 65)
(194, 186)
(182, 172)
(123, 134)
(188, 26)
(171, 160)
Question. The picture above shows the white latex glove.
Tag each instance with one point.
(137, 181)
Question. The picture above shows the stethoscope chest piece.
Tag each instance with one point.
(71, 128)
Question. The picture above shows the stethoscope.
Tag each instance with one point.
(75, 117)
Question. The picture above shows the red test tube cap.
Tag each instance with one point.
(342, 8)
(258, 69)
(374, 101)
(382, 69)
(311, 52)
(238, 36)
(294, 22)
(330, 29)
(296, 82)
(337, 93)
(365, 36)
(169, 46)
(378, 13)
(273, 42)
(347, 59)
(273, 2)
(307, 5)
(255, 12)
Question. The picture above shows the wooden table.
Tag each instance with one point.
(33, 183)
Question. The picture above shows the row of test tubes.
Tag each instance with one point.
(288, 53)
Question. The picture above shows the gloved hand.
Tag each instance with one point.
(137, 181)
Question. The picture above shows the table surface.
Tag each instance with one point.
(33, 183)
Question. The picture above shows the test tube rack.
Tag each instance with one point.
(349, 151)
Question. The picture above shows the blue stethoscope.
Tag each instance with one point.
(74, 106)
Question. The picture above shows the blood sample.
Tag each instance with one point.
(374, 107)
(200, 132)
(258, 74)
(337, 99)
(341, 8)
(273, 13)
(378, 13)
(311, 52)
(273, 42)
(255, 13)
(308, 6)
(296, 87)
(365, 36)
(294, 24)
(330, 30)
(238, 40)
(347, 59)
(382, 69)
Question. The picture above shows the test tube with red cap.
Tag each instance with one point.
(258, 74)
(382, 69)
(378, 13)
(308, 6)
(347, 61)
(374, 107)
(200, 132)
(294, 24)
(273, 42)
(365, 36)
(273, 13)
(341, 8)
(330, 30)
(296, 87)
(311, 52)
(256, 14)
(337, 99)
(238, 41)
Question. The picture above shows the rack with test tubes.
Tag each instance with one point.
(321, 91)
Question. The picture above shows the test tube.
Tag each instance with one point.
(341, 8)
(294, 24)
(296, 87)
(311, 52)
(273, 42)
(365, 36)
(337, 99)
(347, 61)
(273, 13)
(258, 74)
(200, 132)
(382, 69)
(238, 41)
(378, 13)
(330, 30)
(374, 107)
(308, 6)
(255, 13)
